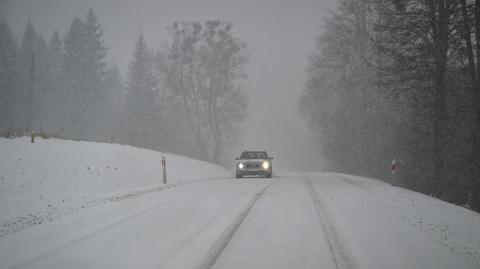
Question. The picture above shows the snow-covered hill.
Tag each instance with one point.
(206, 218)
(295, 220)
(50, 178)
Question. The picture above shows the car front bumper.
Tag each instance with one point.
(256, 172)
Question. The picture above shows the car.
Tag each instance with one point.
(253, 163)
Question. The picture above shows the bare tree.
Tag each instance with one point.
(202, 69)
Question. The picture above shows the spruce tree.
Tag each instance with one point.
(140, 99)
(41, 95)
(75, 77)
(95, 68)
(95, 47)
(8, 76)
(24, 106)
(85, 55)
(57, 96)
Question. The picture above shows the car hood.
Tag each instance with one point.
(252, 161)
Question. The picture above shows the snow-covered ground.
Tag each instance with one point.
(296, 220)
(45, 180)
(390, 227)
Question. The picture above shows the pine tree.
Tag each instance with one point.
(9, 76)
(85, 55)
(112, 113)
(95, 47)
(75, 78)
(42, 94)
(56, 100)
(25, 105)
(95, 66)
(140, 99)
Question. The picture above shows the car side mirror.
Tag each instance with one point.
(271, 158)
(237, 158)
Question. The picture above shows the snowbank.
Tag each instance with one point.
(45, 180)
(416, 227)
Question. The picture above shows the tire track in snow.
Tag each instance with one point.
(340, 253)
(173, 252)
(96, 232)
(221, 243)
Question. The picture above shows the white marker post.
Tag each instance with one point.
(393, 171)
(164, 168)
(393, 166)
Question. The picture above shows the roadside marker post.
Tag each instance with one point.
(393, 171)
(164, 168)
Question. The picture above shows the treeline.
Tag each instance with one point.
(399, 80)
(184, 97)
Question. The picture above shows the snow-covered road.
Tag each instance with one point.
(296, 220)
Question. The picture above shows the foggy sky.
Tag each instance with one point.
(279, 35)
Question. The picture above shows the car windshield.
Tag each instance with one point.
(254, 155)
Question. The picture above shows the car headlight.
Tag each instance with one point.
(265, 165)
(240, 165)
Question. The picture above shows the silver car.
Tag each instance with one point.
(253, 163)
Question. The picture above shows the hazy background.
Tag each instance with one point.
(279, 36)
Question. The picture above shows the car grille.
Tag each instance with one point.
(252, 165)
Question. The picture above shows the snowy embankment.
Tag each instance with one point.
(409, 229)
(43, 181)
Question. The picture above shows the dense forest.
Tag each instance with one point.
(183, 97)
(399, 80)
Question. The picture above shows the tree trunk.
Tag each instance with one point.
(440, 22)
(476, 143)
(468, 42)
(477, 34)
